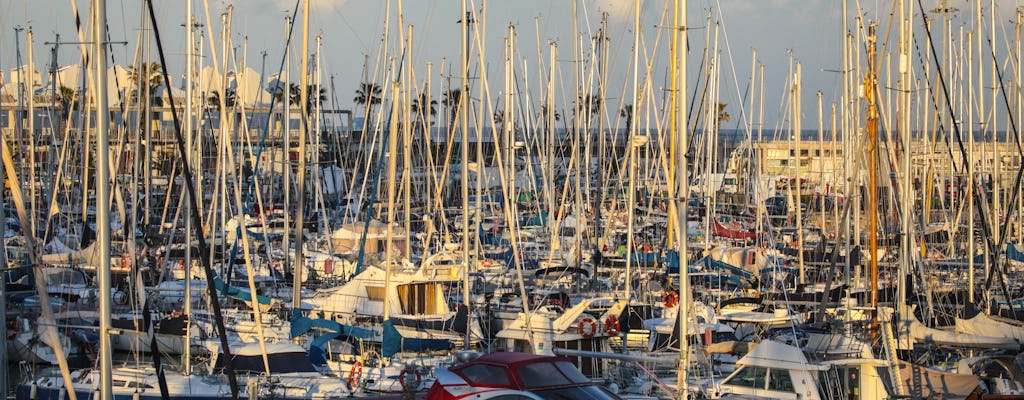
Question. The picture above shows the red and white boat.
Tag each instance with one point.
(516, 375)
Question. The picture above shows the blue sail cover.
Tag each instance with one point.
(332, 329)
(1012, 253)
(238, 293)
(394, 342)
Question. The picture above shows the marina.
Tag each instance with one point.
(494, 210)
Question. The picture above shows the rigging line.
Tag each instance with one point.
(270, 109)
(1020, 170)
(935, 106)
(977, 190)
(197, 218)
(376, 179)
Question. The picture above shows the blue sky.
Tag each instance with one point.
(808, 31)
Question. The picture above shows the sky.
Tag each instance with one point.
(781, 32)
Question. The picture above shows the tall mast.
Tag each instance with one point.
(286, 152)
(189, 49)
(798, 137)
(31, 90)
(872, 128)
(300, 203)
(103, 197)
(903, 118)
(464, 148)
(681, 189)
(632, 153)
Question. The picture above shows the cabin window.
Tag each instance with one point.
(483, 374)
(751, 377)
(783, 162)
(375, 293)
(780, 381)
(419, 298)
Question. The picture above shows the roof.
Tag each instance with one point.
(772, 354)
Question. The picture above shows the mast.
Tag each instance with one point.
(797, 120)
(300, 204)
(286, 154)
(681, 189)
(392, 135)
(903, 118)
(32, 129)
(189, 49)
(632, 151)
(103, 198)
(872, 150)
(464, 149)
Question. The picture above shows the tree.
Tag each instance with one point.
(368, 94)
(315, 97)
(213, 100)
(451, 101)
(722, 116)
(67, 98)
(627, 113)
(293, 94)
(425, 109)
(150, 74)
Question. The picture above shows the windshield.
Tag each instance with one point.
(577, 393)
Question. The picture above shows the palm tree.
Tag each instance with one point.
(627, 113)
(67, 96)
(316, 96)
(213, 100)
(722, 116)
(422, 107)
(451, 101)
(369, 95)
(150, 73)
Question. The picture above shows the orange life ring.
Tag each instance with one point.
(355, 374)
(487, 263)
(587, 332)
(414, 370)
(612, 325)
(124, 261)
(670, 298)
(12, 330)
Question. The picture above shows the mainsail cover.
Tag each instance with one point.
(984, 325)
(394, 342)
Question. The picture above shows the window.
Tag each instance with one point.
(780, 381)
(784, 162)
(375, 293)
(483, 374)
(570, 371)
(542, 374)
(418, 298)
(751, 377)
